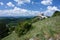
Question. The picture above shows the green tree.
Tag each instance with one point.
(23, 28)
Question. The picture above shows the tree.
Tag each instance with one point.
(3, 30)
(56, 13)
(23, 28)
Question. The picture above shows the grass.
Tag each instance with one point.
(45, 29)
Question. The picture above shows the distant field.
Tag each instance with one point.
(43, 30)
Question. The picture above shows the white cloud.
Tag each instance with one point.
(10, 4)
(1, 3)
(53, 8)
(50, 10)
(18, 12)
(46, 2)
(22, 1)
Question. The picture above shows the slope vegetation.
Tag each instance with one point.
(42, 30)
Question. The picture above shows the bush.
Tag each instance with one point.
(11, 27)
(23, 28)
(57, 13)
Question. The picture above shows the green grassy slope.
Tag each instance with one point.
(44, 29)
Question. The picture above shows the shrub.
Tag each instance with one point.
(22, 28)
(11, 27)
(57, 13)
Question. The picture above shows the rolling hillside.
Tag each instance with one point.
(42, 30)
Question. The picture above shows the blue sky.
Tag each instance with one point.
(28, 7)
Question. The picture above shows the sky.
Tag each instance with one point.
(28, 7)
